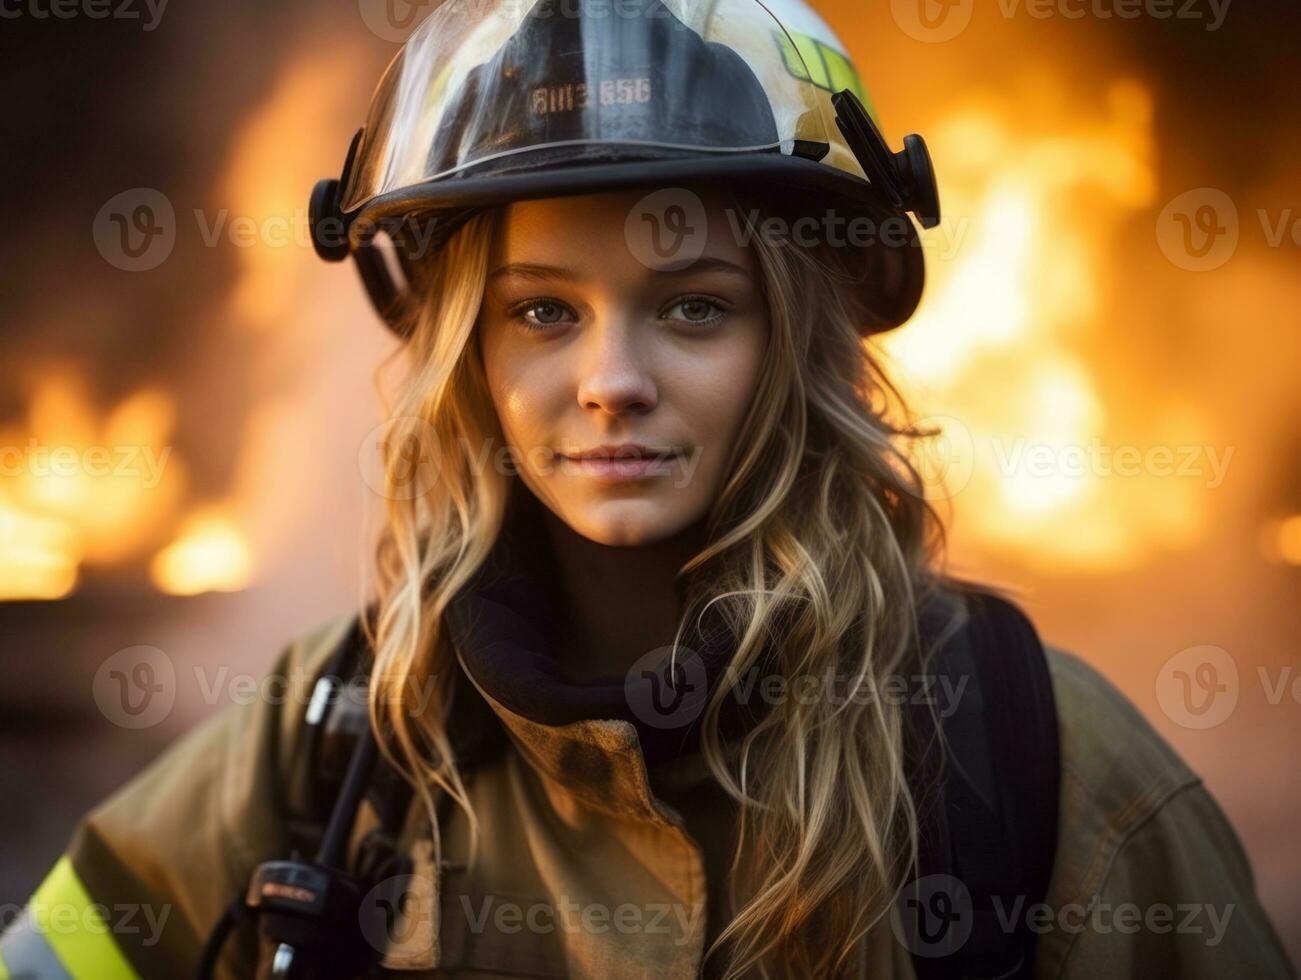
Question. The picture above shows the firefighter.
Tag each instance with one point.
(661, 676)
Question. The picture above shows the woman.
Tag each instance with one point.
(654, 566)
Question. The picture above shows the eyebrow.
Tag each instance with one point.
(547, 273)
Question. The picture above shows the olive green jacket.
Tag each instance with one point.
(594, 867)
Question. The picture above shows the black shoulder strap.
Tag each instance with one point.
(987, 797)
(336, 716)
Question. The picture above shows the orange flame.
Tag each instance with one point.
(75, 489)
(999, 349)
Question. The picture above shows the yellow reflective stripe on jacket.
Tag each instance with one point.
(62, 934)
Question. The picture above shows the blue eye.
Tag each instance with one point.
(539, 314)
(697, 309)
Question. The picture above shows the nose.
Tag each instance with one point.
(614, 376)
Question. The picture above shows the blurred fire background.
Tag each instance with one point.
(1066, 308)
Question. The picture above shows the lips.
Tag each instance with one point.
(625, 451)
(621, 463)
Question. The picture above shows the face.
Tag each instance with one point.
(620, 385)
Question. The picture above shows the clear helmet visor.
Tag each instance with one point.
(505, 86)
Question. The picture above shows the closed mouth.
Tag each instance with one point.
(623, 453)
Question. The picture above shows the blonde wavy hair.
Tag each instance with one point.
(820, 539)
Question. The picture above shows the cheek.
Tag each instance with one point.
(718, 388)
(519, 392)
(518, 412)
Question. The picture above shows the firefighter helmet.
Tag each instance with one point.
(491, 101)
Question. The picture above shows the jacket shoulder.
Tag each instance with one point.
(1150, 877)
(1117, 774)
(185, 833)
(1109, 750)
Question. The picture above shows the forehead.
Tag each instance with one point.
(642, 228)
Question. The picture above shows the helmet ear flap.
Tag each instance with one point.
(905, 178)
(385, 295)
(396, 274)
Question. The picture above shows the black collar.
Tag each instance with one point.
(505, 626)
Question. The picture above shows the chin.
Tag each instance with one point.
(627, 523)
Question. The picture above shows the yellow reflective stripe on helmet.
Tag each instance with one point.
(800, 53)
(813, 60)
(842, 72)
(73, 927)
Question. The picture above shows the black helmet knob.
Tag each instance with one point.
(329, 230)
(917, 175)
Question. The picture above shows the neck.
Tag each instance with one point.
(619, 603)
